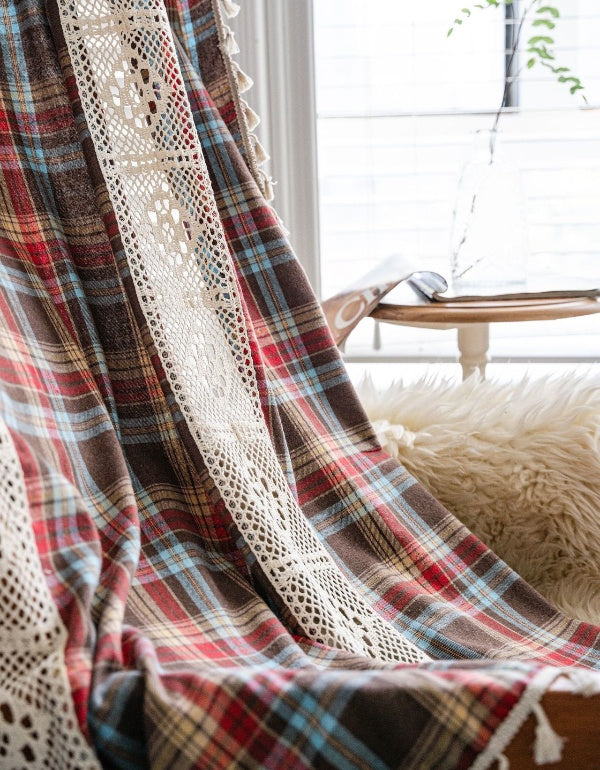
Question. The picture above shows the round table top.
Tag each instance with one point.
(487, 311)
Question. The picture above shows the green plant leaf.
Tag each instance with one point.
(542, 52)
(543, 23)
(549, 9)
(539, 47)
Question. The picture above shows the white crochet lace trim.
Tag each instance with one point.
(240, 82)
(140, 121)
(38, 725)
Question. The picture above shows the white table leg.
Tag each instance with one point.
(473, 344)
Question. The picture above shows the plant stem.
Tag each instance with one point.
(513, 53)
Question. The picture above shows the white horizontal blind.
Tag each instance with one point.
(398, 104)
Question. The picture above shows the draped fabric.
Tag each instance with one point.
(143, 627)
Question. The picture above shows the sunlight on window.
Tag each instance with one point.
(399, 103)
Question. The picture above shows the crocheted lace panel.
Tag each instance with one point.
(38, 726)
(141, 125)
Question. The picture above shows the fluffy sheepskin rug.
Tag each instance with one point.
(519, 464)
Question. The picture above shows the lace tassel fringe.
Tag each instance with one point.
(252, 119)
(229, 41)
(244, 82)
(267, 185)
(548, 746)
(261, 154)
(248, 119)
(230, 9)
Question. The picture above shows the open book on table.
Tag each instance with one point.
(344, 310)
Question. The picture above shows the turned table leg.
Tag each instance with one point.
(473, 345)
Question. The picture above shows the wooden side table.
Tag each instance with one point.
(472, 320)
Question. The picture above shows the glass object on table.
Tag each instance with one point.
(489, 241)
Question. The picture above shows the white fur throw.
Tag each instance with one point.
(519, 464)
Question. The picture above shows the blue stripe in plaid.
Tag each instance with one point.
(310, 724)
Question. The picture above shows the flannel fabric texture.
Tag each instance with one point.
(179, 652)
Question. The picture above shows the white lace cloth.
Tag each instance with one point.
(142, 129)
(38, 725)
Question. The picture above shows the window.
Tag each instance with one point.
(398, 104)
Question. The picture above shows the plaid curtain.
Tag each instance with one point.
(179, 651)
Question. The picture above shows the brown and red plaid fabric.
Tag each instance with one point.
(180, 654)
